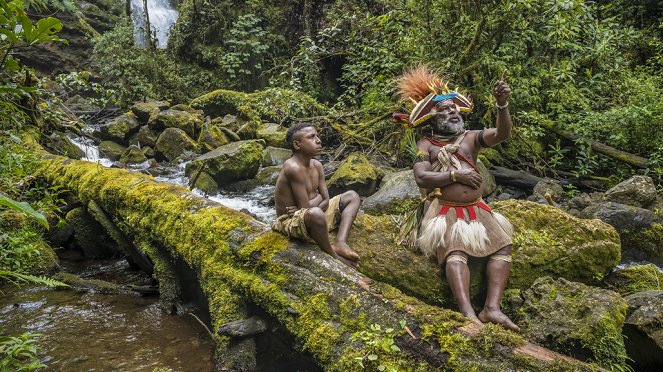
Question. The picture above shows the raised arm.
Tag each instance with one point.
(502, 131)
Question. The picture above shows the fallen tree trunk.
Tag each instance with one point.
(340, 315)
(611, 152)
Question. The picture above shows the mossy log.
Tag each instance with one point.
(334, 310)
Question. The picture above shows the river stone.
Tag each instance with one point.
(133, 155)
(634, 279)
(120, 129)
(275, 156)
(520, 179)
(551, 187)
(245, 125)
(232, 162)
(243, 327)
(638, 191)
(90, 237)
(644, 330)
(143, 110)
(574, 319)
(184, 120)
(111, 150)
(211, 137)
(147, 136)
(172, 143)
(268, 175)
(206, 183)
(61, 145)
(488, 183)
(640, 229)
(355, 173)
(148, 151)
(398, 193)
(273, 135)
(551, 242)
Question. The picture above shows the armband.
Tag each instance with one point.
(482, 143)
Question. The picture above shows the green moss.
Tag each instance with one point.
(491, 335)
(636, 279)
(645, 240)
(314, 327)
(170, 292)
(100, 286)
(355, 169)
(605, 340)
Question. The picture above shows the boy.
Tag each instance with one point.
(302, 200)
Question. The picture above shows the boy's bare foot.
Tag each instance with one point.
(343, 249)
(497, 317)
(474, 319)
(352, 264)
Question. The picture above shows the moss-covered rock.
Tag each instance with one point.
(61, 145)
(90, 236)
(643, 330)
(111, 150)
(398, 194)
(644, 243)
(120, 129)
(94, 285)
(232, 162)
(575, 319)
(147, 136)
(273, 134)
(548, 241)
(189, 122)
(271, 104)
(634, 279)
(638, 191)
(133, 155)
(143, 110)
(268, 175)
(275, 156)
(211, 137)
(206, 183)
(355, 173)
(172, 143)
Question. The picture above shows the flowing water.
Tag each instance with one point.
(162, 15)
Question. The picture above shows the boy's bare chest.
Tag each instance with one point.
(312, 179)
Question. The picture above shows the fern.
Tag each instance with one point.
(14, 277)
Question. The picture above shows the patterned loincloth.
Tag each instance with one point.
(473, 229)
(295, 227)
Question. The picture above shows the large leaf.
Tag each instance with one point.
(25, 208)
(45, 31)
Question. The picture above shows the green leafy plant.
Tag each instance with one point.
(20, 353)
(25, 208)
(380, 348)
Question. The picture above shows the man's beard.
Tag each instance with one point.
(447, 127)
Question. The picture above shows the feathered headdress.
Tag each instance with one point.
(424, 87)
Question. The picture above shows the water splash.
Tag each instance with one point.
(163, 16)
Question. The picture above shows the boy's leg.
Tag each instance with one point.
(317, 229)
(497, 270)
(351, 202)
(458, 277)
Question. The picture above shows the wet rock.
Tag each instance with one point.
(148, 151)
(637, 191)
(120, 129)
(111, 150)
(61, 145)
(172, 143)
(643, 330)
(232, 162)
(579, 202)
(634, 279)
(211, 137)
(355, 173)
(620, 216)
(147, 136)
(143, 110)
(243, 327)
(184, 120)
(398, 193)
(275, 156)
(267, 175)
(550, 187)
(206, 183)
(575, 319)
(504, 196)
(245, 124)
(550, 242)
(273, 135)
(488, 184)
(133, 155)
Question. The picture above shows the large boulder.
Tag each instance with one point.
(111, 150)
(640, 229)
(172, 143)
(205, 183)
(643, 330)
(355, 173)
(520, 179)
(232, 162)
(275, 156)
(211, 137)
(638, 191)
(62, 145)
(273, 134)
(120, 129)
(143, 110)
(133, 155)
(398, 193)
(549, 241)
(184, 120)
(550, 187)
(634, 279)
(574, 319)
(147, 136)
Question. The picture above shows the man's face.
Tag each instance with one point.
(307, 141)
(446, 119)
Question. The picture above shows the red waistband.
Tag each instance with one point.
(470, 209)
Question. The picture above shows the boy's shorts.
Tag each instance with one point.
(295, 227)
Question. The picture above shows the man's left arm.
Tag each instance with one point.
(322, 187)
(502, 131)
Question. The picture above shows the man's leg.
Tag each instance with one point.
(350, 201)
(497, 270)
(458, 277)
(317, 229)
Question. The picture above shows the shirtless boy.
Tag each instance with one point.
(302, 200)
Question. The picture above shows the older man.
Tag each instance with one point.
(457, 223)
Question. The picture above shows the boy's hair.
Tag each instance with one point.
(290, 134)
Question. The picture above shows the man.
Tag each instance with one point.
(302, 200)
(457, 223)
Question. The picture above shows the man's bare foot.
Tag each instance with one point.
(497, 317)
(343, 249)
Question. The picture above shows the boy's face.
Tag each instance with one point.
(307, 142)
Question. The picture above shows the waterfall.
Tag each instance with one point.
(162, 18)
